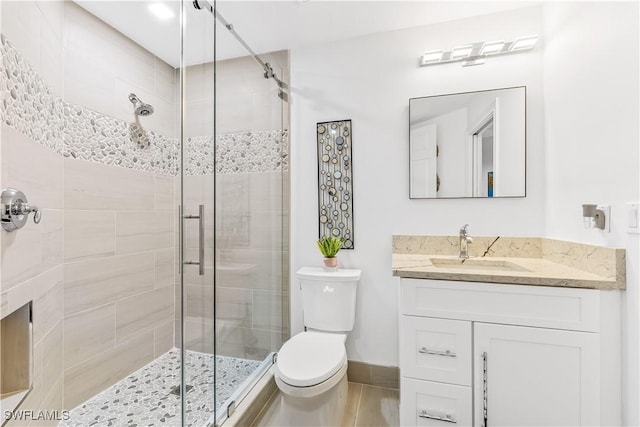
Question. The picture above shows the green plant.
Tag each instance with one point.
(330, 246)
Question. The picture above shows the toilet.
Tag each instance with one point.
(311, 368)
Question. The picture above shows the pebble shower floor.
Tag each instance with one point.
(144, 399)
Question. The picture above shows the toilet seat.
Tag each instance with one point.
(310, 358)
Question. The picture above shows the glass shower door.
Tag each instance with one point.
(234, 198)
(251, 222)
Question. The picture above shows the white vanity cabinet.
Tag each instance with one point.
(508, 355)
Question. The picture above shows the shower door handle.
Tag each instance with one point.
(200, 218)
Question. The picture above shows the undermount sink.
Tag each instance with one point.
(476, 264)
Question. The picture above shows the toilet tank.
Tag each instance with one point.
(328, 298)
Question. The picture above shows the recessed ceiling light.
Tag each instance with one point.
(461, 51)
(161, 11)
(431, 56)
(491, 48)
(522, 43)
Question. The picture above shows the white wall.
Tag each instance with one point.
(370, 80)
(592, 119)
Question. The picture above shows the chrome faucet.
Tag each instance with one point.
(465, 241)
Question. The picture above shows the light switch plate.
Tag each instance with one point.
(633, 218)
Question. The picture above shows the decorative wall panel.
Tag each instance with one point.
(335, 181)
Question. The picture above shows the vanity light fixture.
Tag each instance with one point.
(461, 52)
(476, 53)
(161, 11)
(491, 48)
(524, 43)
(431, 57)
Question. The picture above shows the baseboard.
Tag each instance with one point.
(376, 375)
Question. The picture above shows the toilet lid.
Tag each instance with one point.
(310, 358)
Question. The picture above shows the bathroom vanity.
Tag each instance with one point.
(529, 333)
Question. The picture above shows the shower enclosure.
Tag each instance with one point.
(155, 281)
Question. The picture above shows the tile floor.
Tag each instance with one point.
(144, 399)
(367, 405)
(371, 406)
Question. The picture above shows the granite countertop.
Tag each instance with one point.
(520, 261)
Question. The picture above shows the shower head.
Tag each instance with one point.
(139, 107)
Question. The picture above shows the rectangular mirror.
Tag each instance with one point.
(470, 144)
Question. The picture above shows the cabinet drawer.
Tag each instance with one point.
(425, 403)
(547, 307)
(436, 350)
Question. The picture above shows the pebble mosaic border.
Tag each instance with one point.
(237, 153)
(28, 105)
(144, 399)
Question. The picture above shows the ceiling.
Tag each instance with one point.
(274, 25)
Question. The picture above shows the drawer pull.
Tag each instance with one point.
(444, 417)
(425, 350)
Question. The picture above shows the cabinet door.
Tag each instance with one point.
(426, 403)
(436, 350)
(535, 377)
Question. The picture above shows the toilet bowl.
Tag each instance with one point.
(311, 368)
(311, 373)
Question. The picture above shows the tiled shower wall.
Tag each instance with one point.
(100, 264)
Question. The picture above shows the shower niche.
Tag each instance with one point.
(16, 356)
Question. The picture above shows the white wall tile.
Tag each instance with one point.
(143, 231)
(110, 188)
(47, 311)
(164, 196)
(89, 378)
(21, 22)
(143, 311)
(166, 82)
(21, 255)
(89, 80)
(53, 357)
(52, 231)
(163, 338)
(51, 57)
(92, 283)
(89, 234)
(89, 333)
(26, 165)
(166, 262)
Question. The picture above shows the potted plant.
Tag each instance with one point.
(329, 247)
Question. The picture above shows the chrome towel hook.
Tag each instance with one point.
(16, 209)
